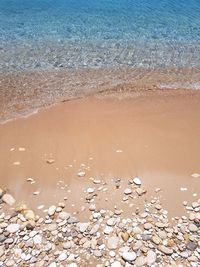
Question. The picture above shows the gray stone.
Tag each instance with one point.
(192, 227)
(97, 253)
(148, 226)
(191, 245)
(140, 261)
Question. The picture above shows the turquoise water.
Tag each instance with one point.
(51, 34)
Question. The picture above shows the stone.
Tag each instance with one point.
(90, 190)
(140, 261)
(192, 227)
(148, 226)
(125, 236)
(116, 264)
(191, 245)
(97, 253)
(165, 250)
(127, 191)
(151, 257)
(83, 227)
(64, 215)
(2, 251)
(111, 222)
(53, 264)
(113, 242)
(52, 210)
(137, 181)
(50, 161)
(108, 230)
(29, 215)
(62, 256)
(13, 228)
(140, 191)
(81, 174)
(73, 264)
(1, 192)
(156, 240)
(37, 239)
(129, 256)
(10, 263)
(8, 199)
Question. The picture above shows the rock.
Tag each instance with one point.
(13, 228)
(67, 245)
(90, 190)
(83, 227)
(10, 263)
(52, 227)
(140, 191)
(192, 227)
(124, 236)
(156, 240)
(191, 245)
(37, 239)
(64, 215)
(72, 265)
(137, 230)
(1, 192)
(29, 215)
(127, 191)
(146, 237)
(113, 242)
(53, 264)
(111, 222)
(116, 264)
(165, 250)
(50, 161)
(52, 210)
(151, 257)
(8, 199)
(2, 251)
(97, 253)
(62, 256)
(129, 256)
(184, 254)
(81, 174)
(140, 261)
(108, 230)
(148, 226)
(137, 181)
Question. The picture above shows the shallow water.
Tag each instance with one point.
(52, 34)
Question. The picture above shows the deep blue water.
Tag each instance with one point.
(97, 33)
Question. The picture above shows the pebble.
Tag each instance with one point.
(73, 264)
(116, 264)
(8, 199)
(129, 256)
(151, 257)
(156, 240)
(137, 181)
(165, 250)
(148, 226)
(191, 245)
(81, 174)
(52, 210)
(127, 191)
(64, 215)
(13, 228)
(2, 251)
(37, 239)
(83, 227)
(111, 222)
(140, 261)
(192, 227)
(113, 242)
(62, 256)
(90, 190)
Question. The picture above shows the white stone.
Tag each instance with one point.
(90, 190)
(8, 199)
(73, 265)
(113, 242)
(151, 257)
(137, 181)
(62, 256)
(13, 228)
(53, 264)
(52, 210)
(129, 256)
(83, 227)
(37, 239)
(64, 215)
(116, 264)
(127, 191)
(81, 174)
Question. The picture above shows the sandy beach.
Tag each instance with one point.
(81, 157)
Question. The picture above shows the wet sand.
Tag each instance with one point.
(154, 136)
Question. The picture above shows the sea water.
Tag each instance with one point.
(60, 34)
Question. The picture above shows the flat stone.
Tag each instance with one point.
(97, 253)
(151, 257)
(108, 230)
(116, 264)
(111, 222)
(81, 174)
(148, 226)
(83, 227)
(90, 190)
(127, 191)
(192, 227)
(2, 251)
(113, 242)
(52, 210)
(13, 228)
(8, 199)
(129, 256)
(52, 227)
(191, 245)
(184, 254)
(10, 263)
(140, 191)
(137, 181)
(62, 256)
(156, 240)
(165, 250)
(37, 239)
(64, 215)
(140, 261)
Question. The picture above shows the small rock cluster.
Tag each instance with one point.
(147, 238)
